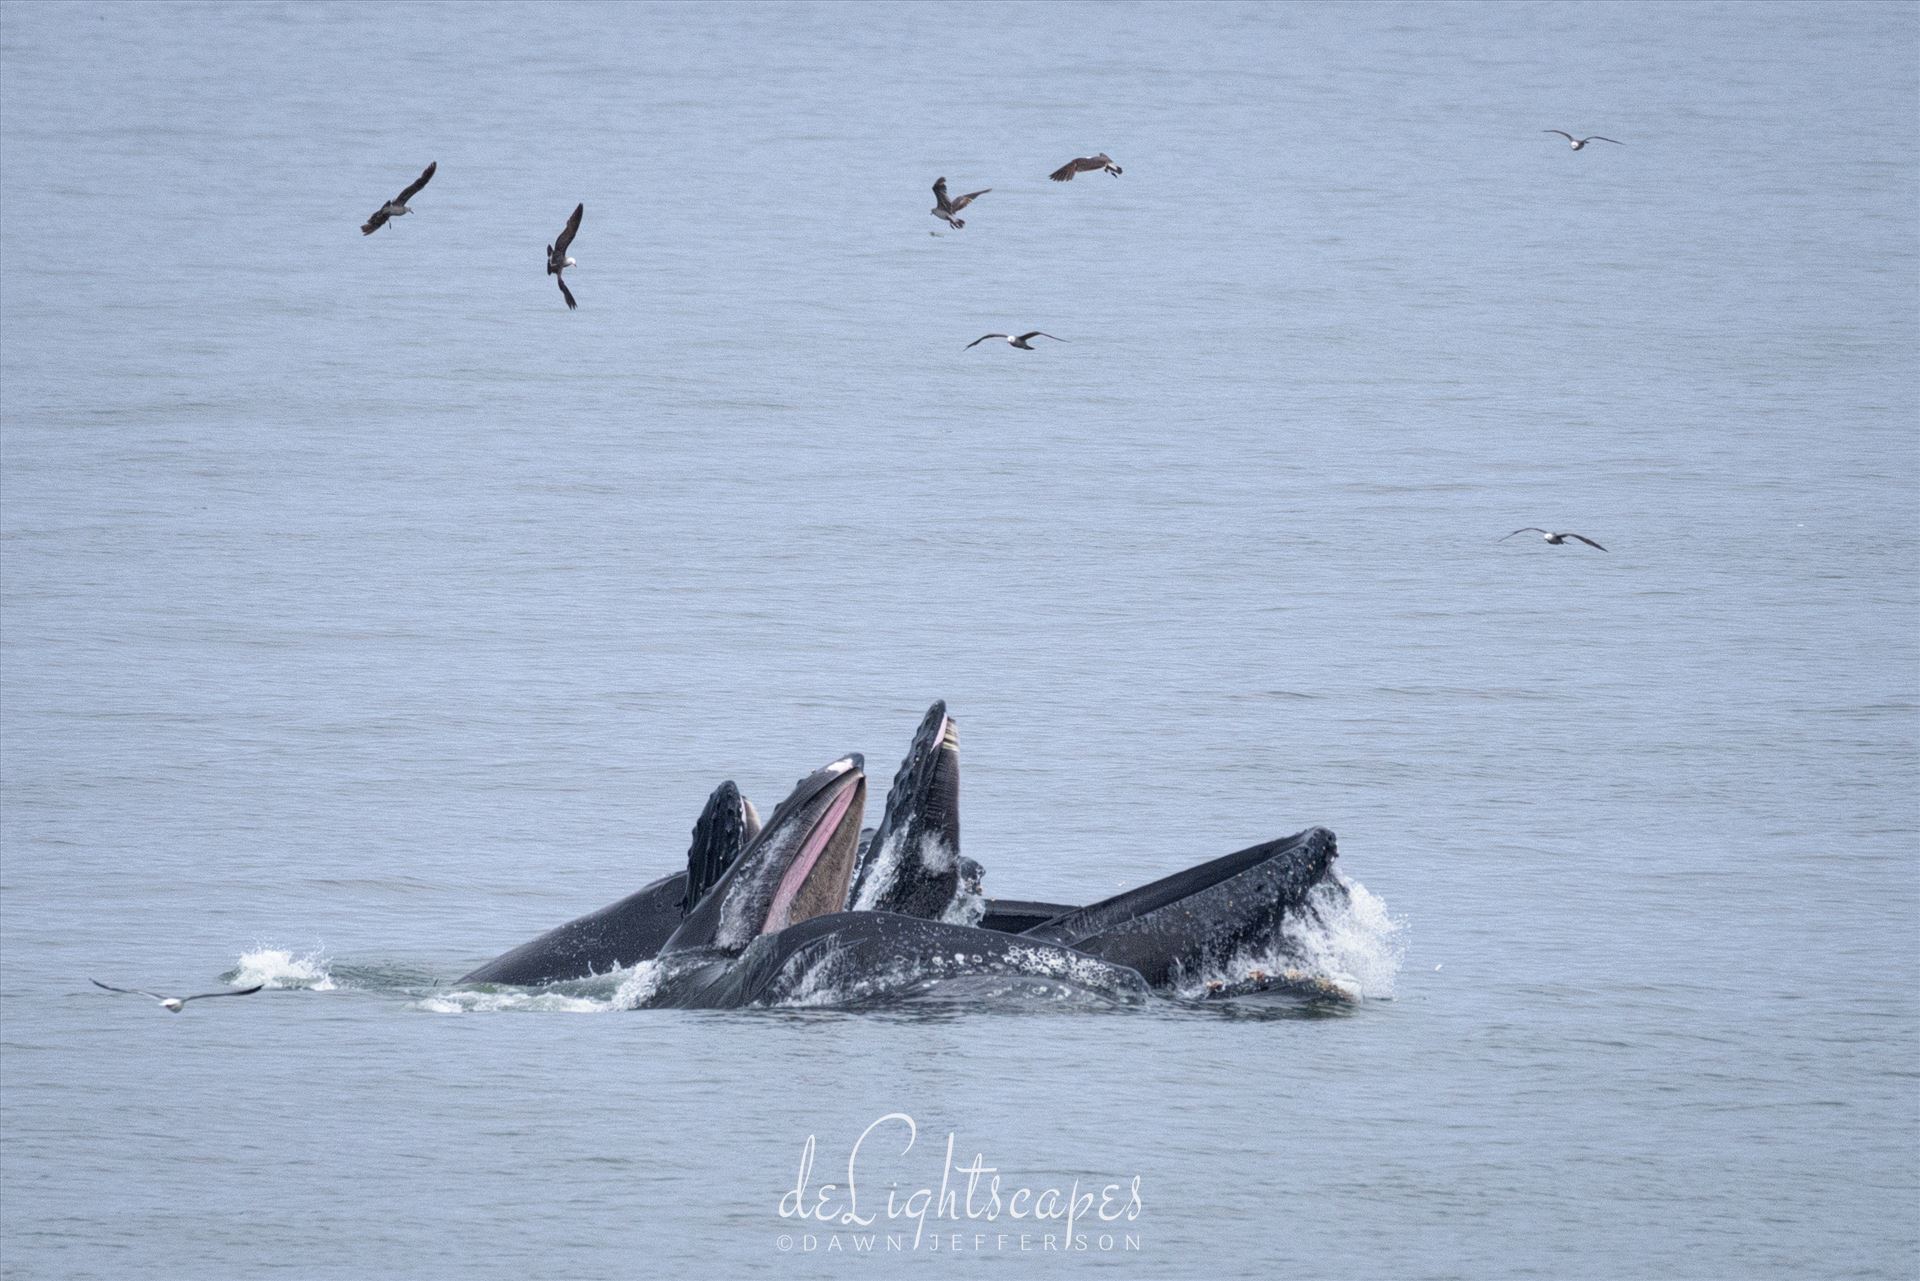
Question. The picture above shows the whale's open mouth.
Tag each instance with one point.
(815, 881)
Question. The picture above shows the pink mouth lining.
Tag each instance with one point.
(802, 865)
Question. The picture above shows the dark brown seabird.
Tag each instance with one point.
(1581, 142)
(945, 208)
(398, 205)
(1085, 164)
(557, 260)
(1012, 341)
(172, 1004)
(1550, 536)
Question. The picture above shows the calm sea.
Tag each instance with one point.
(366, 612)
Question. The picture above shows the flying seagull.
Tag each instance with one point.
(172, 1004)
(945, 208)
(557, 260)
(1550, 536)
(398, 205)
(1085, 164)
(1581, 142)
(1020, 342)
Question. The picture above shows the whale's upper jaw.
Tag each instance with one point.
(726, 826)
(1206, 911)
(798, 866)
(909, 865)
(926, 787)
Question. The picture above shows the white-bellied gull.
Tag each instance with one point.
(1550, 536)
(1019, 341)
(1581, 142)
(172, 1004)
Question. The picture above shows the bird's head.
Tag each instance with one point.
(173, 1004)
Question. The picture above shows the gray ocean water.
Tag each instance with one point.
(366, 613)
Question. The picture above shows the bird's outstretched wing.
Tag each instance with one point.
(573, 225)
(1597, 138)
(1528, 529)
(1562, 132)
(982, 338)
(238, 991)
(1081, 164)
(1588, 541)
(130, 991)
(1037, 334)
(564, 291)
(962, 202)
(426, 176)
(940, 195)
(380, 215)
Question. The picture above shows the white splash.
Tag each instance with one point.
(639, 985)
(969, 906)
(1359, 940)
(276, 967)
(477, 1002)
(1345, 943)
(881, 873)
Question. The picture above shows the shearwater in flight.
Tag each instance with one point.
(398, 205)
(1085, 164)
(557, 260)
(946, 209)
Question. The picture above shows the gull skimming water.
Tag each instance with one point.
(398, 205)
(557, 260)
(172, 1004)
(1012, 341)
(1581, 142)
(1550, 536)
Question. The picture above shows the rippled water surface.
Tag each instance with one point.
(366, 613)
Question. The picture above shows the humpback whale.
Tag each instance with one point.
(630, 931)
(1158, 937)
(921, 873)
(770, 931)
(1183, 925)
(806, 909)
(799, 866)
